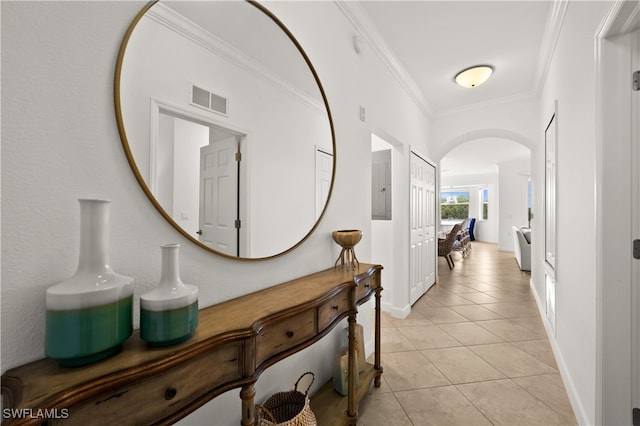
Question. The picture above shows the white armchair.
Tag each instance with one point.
(522, 247)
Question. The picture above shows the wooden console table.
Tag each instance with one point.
(235, 341)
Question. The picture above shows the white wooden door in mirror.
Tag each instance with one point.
(219, 196)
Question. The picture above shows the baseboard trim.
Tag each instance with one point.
(396, 312)
(578, 408)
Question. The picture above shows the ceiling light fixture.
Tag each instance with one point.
(473, 76)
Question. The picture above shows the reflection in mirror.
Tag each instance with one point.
(225, 125)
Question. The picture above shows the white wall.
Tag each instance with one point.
(513, 178)
(188, 139)
(58, 120)
(571, 81)
(165, 163)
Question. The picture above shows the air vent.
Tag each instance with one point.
(205, 99)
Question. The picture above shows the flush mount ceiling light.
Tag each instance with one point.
(473, 76)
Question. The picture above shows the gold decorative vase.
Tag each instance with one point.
(347, 239)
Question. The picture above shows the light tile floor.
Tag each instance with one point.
(473, 351)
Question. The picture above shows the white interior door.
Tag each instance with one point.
(422, 228)
(219, 195)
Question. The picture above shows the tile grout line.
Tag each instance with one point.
(511, 284)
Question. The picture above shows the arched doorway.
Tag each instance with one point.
(486, 178)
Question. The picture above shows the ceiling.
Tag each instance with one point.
(426, 43)
(430, 41)
(433, 40)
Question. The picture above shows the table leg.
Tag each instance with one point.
(377, 361)
(247, 394)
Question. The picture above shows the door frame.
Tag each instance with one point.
(635, 213)
(614, 273)
(156, 108)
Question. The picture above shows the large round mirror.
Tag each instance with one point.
(225, 125)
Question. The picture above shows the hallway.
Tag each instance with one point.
(473, 351)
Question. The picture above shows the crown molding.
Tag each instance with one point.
(359, 18)
(633, 22)
(555, 18)
(623, 16)
(361, 21)
(184, 27)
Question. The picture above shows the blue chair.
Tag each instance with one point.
(472, 223)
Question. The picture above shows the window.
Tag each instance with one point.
(484, 204)
(454, 205)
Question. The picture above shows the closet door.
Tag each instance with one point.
(422, 258)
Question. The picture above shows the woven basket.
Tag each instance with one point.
(289, 408)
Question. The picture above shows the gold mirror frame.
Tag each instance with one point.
(136, 171)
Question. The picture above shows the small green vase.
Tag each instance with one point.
(169, 312)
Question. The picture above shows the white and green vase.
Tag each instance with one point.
(89, 315)
(169, 312)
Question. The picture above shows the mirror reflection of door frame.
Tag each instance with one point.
(157, 108)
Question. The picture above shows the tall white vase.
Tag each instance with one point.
(90, 314)
(169, 312)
